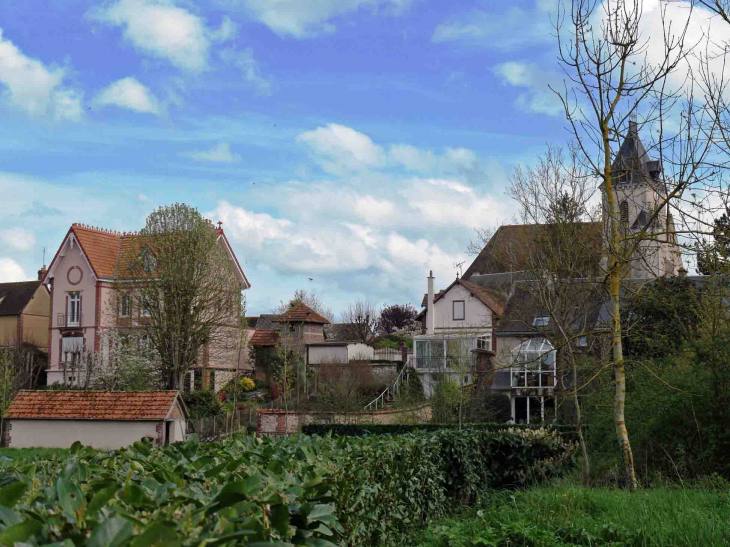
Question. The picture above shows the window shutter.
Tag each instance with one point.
(186, 382)
(212, 380)
(65, 320)
(79, 317)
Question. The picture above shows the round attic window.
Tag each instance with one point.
(74, 275)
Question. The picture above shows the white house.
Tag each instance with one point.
(459, 320)
(101, 419)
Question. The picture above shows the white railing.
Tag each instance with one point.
(388, 394)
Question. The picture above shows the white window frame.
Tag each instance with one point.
(582, 342)
(529, 402)
(463, 310)
(125, 306)
(484, 342)
(74, 310)
(541, 321)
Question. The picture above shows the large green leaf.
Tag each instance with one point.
(20, 532)
(69, 496)
(157, 534)
(100, 499)
(113, 532)
(11, 493)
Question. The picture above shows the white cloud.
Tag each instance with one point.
(161, 29)
(249, 66)
(10, 271)
(29, 85)
(300, 19)
(18, 239)
(415, 159)
(129, 93)
(537, 97)
(340, 149)
(513, 28)
(220, 153)
(143, 197)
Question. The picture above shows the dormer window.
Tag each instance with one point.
(541, 321)
(149, 262)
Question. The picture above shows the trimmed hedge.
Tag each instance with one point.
(299, 490)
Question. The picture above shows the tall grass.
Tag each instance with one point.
(564, 515)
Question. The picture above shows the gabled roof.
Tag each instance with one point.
(94, 405)
(264, 338)
(268, 321)
(301, 313)
(345, 332)
(109, 253)
(14, 297)
(509, 248)
(486, 296)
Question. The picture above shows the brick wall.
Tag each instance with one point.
(277, 423)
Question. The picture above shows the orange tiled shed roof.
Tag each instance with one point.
(263, 338)
(92, 405)
(302, 314)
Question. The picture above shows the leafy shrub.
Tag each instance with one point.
(298, 490)
(357, 430)
(233, 390)
(203, 404)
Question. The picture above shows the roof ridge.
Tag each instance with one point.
(97, 229)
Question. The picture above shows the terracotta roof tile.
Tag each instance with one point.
(303, 314)
(100, 247)
(92, 405)
(263, 338)
(486, 296)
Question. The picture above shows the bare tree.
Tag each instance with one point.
(362, 318)
(184, 290)
(611, 80)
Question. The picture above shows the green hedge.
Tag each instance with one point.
(298, 490)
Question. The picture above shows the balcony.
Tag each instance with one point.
(429, 362)
(69, 320)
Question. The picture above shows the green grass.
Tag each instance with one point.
(565, 515)
(31, 453)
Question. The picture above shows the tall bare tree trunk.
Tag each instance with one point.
(619, 369)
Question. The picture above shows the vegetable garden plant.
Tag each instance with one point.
(299, 490)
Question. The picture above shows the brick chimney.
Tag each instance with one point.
(42, 273)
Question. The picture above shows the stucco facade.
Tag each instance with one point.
(28, 325)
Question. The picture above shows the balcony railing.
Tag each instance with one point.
(438, 361)
(68, 320)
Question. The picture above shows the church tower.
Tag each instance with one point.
(639, 190)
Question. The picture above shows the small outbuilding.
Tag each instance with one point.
(101, 419)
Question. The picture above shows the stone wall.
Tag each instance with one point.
(276, 423)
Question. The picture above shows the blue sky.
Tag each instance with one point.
(356, 142)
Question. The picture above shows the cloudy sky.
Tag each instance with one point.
(354, 142)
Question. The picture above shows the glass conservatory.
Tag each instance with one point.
(533, 364)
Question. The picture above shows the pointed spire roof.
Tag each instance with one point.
(633, 159)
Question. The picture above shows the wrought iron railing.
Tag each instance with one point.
(70, 320)
(388, 394)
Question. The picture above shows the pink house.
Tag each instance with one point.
(85, 306)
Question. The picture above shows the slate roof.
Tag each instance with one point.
(14, 297)
(251, 322)
(509, 248)
(632, 157)
(268, 321)
(342, 332)
(302, 313)
(263, 338)
(93, 405)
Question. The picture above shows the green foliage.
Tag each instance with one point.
(665, 314)
(392, 341)
(298, 490)
(203, 404)
(235, 390)
(563, 515)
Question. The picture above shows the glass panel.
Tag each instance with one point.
(549, 403)
(458, 310)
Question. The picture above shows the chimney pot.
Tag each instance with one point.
(42, 273)
(429, 306)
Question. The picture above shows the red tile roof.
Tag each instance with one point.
(92, 405)
(302, 313)
(263, 338)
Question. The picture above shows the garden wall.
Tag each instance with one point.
(276, 423)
